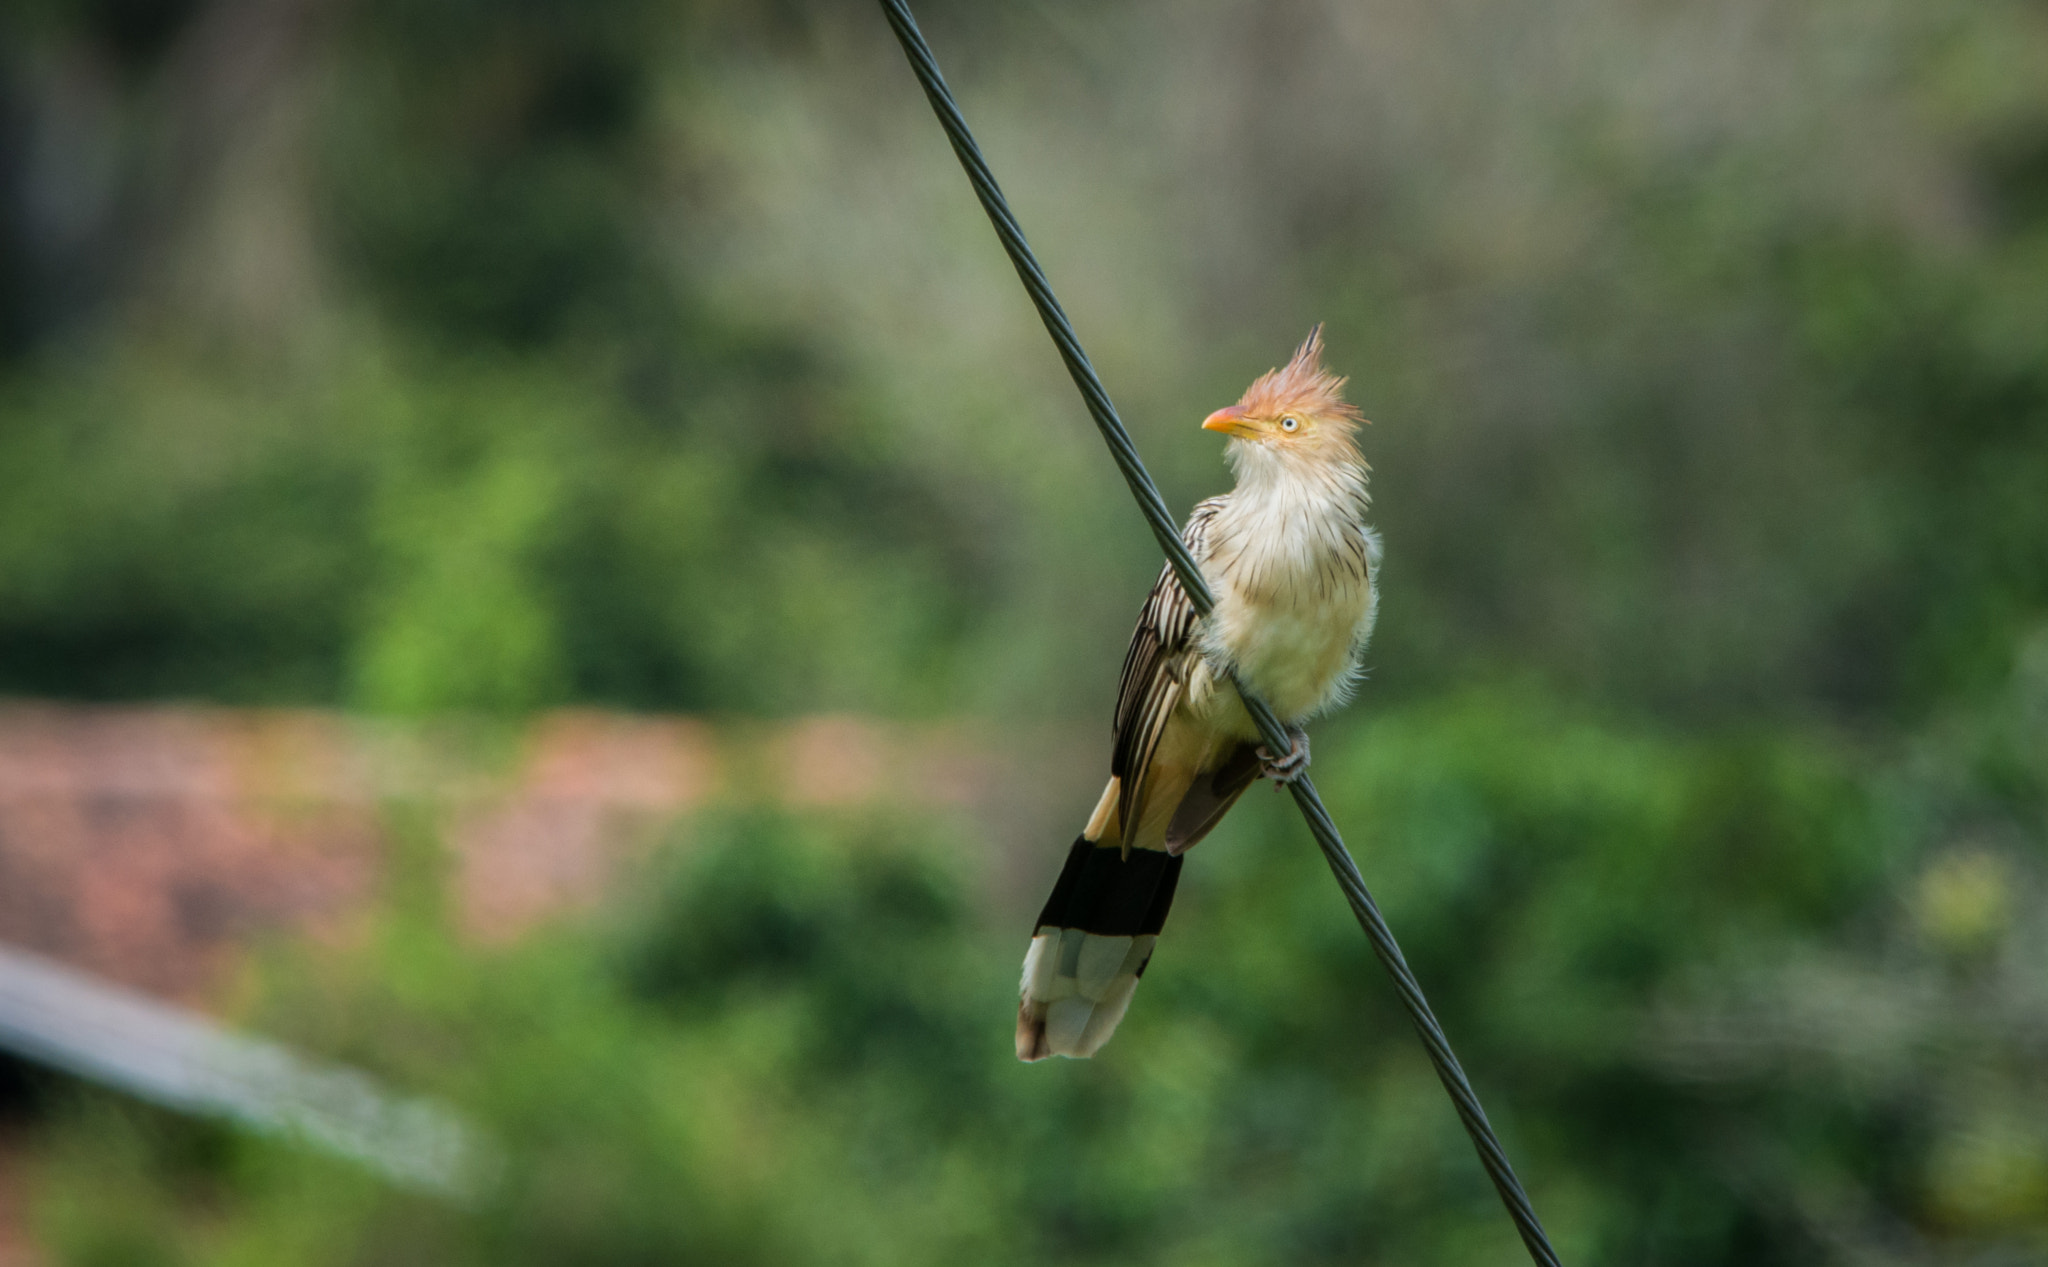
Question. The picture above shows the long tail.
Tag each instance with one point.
(1091, 945)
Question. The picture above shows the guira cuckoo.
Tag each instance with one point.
(1291, 562)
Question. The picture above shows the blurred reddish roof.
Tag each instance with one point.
(150, 845)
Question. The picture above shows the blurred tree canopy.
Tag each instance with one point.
(447, 355)
(1703, 343)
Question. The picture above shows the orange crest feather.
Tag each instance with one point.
(1301, 386)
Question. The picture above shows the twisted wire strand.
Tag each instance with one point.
(1167, 532)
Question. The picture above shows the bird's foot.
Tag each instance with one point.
(1284, 770)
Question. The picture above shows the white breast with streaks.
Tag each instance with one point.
(1289, 558)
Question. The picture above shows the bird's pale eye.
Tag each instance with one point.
(1290, 423)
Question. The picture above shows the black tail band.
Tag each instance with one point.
(1102, 891)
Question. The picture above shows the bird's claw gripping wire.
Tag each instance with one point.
(1285, 770)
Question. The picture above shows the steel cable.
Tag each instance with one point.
(1167, 533)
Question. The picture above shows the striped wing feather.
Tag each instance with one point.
(1155, 672)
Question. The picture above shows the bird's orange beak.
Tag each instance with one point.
(1230, 422)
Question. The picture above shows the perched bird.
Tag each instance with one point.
(1291, 561)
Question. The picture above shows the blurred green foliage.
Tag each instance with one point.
(451, 356)
(1710, 1028)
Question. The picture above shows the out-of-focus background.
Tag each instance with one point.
(545, 559)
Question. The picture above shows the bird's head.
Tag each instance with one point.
(1298, 409)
